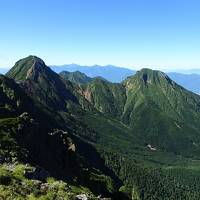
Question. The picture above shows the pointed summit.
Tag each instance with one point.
(149, 77)
(41, 83)
(27, 68)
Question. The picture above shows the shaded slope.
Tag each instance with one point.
(27, 127)
(12, 99)
(61, 102)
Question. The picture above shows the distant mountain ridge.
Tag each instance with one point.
(118, 74)
(190, 79)
(109, 72)
(3, 70)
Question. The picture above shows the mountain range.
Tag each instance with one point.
(109, 72)
(3, 70)
(190, 79)
(137, 139)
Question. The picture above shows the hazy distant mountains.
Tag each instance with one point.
(3, 70)
(109, 72)
(188, 81)
(187, 71)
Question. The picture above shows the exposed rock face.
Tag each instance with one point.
(81, 197)
(72, 148)
(35, 69)
(63, 137)
(27, 117)
(87, 95)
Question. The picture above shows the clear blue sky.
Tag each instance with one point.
(133, 33)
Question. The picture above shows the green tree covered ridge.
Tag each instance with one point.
(129, 140)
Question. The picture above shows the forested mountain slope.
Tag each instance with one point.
(123, 141)
(150, 103)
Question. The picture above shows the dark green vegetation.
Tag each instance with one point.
(75, 77)
(150, 104)
(188, 79)
(135, 140)
(78, 77)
